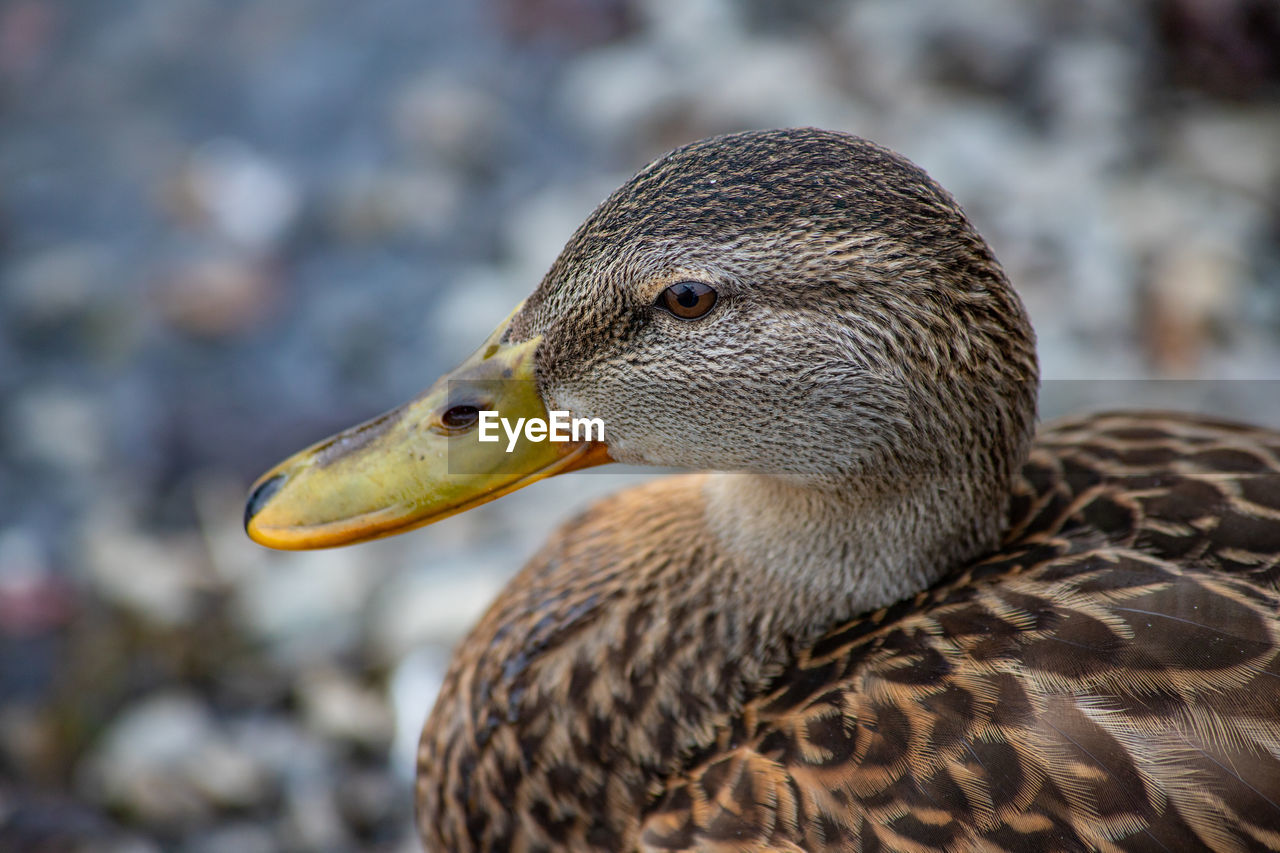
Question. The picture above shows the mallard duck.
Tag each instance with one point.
(886, 615)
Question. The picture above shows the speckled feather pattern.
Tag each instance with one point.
(1108, 680)
(904, 626)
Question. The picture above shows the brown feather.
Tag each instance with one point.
(904, 626)
(1089, 687)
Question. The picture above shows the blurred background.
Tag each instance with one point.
(228, 229)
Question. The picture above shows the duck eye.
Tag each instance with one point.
(688, 300)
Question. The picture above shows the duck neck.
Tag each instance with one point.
(832, 552)
(622, 648)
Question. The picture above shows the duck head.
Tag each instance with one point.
(800, 306)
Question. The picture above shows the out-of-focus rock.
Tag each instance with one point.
(28, 742)
(479, 300)
(61, 427)
(655, 89)
(415, 683)
(987, 46)
(369, 799)
(217, 295)
(371, 206)
(1236, 147)
(33, 600)
(1190, 292)
(685, 26)
(339, 708)
(1088, 94)
(566, 23)
(160, 578)
(446, 119)
(40, 822)
(883, 50)
(36, 607)
(421, 607)
(618, 87)
(27, 31)
(165, 761)
(234, 838)
(286, 751)
(307, 606)
(629, 91)
(235, 191)
(128, 844)
(312, 817)
(57, 285)
(776, 83)
(536, 229)
(1224, 47)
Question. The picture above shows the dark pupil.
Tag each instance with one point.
(687, 295)
(460, 417)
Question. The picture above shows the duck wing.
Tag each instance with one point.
(1110, 680)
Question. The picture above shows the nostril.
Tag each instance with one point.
(461, 417)
(260, 496)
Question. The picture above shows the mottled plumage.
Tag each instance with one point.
(886, 619)
(1108, 680)
(1096, 669)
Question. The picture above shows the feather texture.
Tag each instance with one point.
(1109, 680)
(903, 625)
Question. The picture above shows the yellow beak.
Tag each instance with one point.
(419, 463)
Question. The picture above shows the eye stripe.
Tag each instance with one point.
(688, 300)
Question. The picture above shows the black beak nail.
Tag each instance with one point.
(260, 496)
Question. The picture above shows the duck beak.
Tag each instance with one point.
(421, 462)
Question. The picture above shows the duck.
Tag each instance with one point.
(882, 609)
